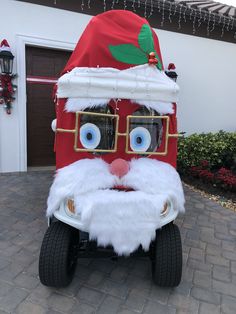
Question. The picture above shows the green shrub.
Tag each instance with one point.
(219, 149)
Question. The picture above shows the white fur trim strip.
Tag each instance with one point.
(122, 219)
(80, 104)
(160, 107)
(5, 48)
(141, 82)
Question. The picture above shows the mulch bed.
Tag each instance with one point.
(225, 198)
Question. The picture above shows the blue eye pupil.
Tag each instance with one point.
(139, 140)
(89, 136)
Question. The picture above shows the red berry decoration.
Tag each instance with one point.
(152, 60)
(152, 55)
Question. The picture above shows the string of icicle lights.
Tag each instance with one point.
(170, 9)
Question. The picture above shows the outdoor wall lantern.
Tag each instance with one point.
(171, 72)
(7, 89)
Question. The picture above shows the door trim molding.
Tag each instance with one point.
(22, 42)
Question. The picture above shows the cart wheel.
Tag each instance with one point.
(167, 257)
(57, 260)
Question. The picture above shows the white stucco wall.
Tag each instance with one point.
(38, 22)
(206, 71)
(207, 80)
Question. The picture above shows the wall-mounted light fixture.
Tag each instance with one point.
(171, 72)
(7, 89)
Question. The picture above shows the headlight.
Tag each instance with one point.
(70, 209)
(71, 206)
(165, 210)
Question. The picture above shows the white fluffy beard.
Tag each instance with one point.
(124, 220)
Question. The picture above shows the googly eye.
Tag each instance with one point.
(140, 139)
(90, 135)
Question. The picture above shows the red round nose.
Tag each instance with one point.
(119, 167)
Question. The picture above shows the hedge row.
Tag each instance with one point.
(218, 149)
(210, 158)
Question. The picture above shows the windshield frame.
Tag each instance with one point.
(166, 135)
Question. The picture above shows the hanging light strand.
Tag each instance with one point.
(213, 23)
(152, 9)
(112, 4)
(194, 21)
(232, 26)
(163, 13)
(196, 15)
(208, 25)
(232, 23)
(175, 9)
(82, 5)
(180, 16)
(200, 18)
(220, 19)
(228, 24)
(159, 6)
(184, 14)
(170, 12)
(145, 9)
(223, 28)
(191, 14)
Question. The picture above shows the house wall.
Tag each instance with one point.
(206, 71)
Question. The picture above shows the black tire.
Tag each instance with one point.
(167, 257)
(57, 260)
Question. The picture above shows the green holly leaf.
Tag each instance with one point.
(128, 53)
(145, 39)
(146, 43)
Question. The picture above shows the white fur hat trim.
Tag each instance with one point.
(92, 87)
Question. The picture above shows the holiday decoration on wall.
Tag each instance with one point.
(205, 13)
(170, 71)
(7, 89)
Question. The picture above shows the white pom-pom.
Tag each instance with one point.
(54, 125)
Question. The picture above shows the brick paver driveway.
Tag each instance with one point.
(104, 286)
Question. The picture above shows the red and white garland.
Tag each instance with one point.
(7, 89)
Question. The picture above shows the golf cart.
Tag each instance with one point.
(116, 191)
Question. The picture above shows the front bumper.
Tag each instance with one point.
(65, 215)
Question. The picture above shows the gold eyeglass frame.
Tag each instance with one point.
(75, 131)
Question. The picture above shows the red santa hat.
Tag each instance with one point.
(117, 56)
(171, 67)
(4, 46)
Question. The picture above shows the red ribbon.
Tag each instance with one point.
(7, 91)
(6, 86)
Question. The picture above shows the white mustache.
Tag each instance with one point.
(89, 175)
